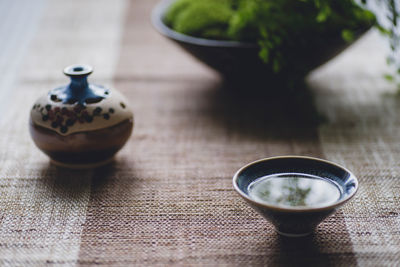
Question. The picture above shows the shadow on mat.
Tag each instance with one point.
(324, 247)
(299, 252)
(71, 184)
(263, 111)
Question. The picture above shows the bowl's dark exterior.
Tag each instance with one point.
(293, 224)
(295, 221)
(240, 60)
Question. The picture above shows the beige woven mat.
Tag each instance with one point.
(168, 198)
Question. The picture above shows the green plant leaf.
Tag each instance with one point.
(389, 77)
(348, 35)
(287, 31)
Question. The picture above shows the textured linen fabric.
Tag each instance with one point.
(168, 198)
(362, 133)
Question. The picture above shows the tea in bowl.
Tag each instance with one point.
(295, 193)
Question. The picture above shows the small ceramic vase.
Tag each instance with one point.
(81, 125)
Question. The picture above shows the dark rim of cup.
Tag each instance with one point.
(157, 18)
(293, 209)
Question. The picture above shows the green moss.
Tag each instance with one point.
(283, 29)
(206, 18)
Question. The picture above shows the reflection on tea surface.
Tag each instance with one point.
(294, 190)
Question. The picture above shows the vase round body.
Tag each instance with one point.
(81, 125)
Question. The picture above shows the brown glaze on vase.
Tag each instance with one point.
(81, 125)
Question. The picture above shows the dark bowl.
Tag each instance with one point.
(295, 221)
(240, 60)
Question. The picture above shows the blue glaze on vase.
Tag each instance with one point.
(79, 91)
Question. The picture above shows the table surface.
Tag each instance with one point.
(168, 197)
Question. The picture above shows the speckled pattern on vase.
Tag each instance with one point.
(81, 124)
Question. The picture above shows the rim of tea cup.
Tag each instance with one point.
(281, 208)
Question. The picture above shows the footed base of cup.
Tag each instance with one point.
(293, 234)
(81, 166)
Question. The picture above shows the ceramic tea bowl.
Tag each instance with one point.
(300, 219)
(240, 61)
(80, 125)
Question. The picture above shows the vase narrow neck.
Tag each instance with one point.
(79, 83)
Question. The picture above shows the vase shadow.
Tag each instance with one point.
(71, 184)
(66, 184)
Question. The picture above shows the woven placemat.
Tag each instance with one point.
(168, 197)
